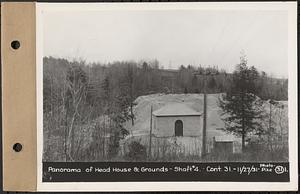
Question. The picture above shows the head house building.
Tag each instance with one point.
(177, 120)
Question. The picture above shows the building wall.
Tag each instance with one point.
(165, 126)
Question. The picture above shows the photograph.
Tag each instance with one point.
(150, 96)
(167, 96)
(165, 85)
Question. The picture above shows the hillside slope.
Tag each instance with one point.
(195, 101)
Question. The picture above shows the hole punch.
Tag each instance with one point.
(15, 44)
(17, 147)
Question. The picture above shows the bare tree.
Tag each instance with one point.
(76, 84)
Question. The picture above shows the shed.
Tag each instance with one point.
(223, 144)
(177, 119)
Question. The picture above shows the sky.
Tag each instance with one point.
(173, 37)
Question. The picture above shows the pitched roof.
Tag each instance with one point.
(176, 109)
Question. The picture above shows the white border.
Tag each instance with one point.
(291, 7)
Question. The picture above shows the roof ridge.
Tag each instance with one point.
(176, 109)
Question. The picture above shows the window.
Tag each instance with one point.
(178, 128)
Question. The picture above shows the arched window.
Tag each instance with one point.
(178, 128)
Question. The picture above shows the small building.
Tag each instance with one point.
(177, 120)
(224, 144)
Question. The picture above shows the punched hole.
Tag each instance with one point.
(15, 44)
(17, 147)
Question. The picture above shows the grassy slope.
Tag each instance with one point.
(195, 101)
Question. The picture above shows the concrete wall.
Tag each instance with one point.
(165, 126)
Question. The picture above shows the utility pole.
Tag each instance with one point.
(150, 135)
(270, 123)
(203, 153)
(205, 74)
(271, 131)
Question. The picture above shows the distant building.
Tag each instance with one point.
(177, 119)
(224, 144)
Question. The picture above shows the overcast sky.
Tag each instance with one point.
(173, 37)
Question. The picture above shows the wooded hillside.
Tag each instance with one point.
(92, 101)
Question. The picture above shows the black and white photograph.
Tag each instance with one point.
(158, 85)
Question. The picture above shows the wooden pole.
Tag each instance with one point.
(203, 153)
(270, 126)
(150, 135)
